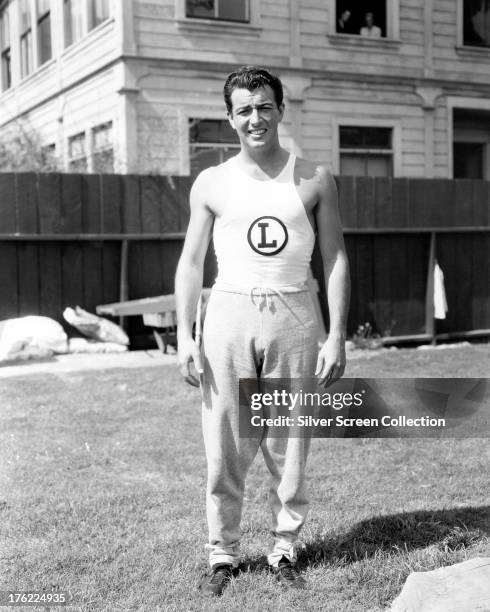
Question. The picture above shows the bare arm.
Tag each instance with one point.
(188, 279)
(331, 360)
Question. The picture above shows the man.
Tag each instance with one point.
(370, 30)
(264, 207)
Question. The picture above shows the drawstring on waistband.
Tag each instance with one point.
(265, 294)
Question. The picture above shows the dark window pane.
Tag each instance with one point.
(203, 158)
(476, 22)
(233, 10)
(44, 34)
(351, 16)
(78, 165)
(365, 137)
(104, 162)
(99, 12)
(212, 130)
(26, 53)
(468, 160)
(361, 164)
(351, 137)
(200, 8)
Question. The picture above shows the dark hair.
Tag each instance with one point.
(251, 78)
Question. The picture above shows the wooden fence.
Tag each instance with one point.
(69, 239)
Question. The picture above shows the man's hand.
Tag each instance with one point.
(188, 352)
(330, 365)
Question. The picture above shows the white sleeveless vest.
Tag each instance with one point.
(264, 237)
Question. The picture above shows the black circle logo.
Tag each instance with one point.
(267, 235)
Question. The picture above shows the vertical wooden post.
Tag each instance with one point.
(123, 277)
(430, 327)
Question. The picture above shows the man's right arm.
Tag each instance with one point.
(189, 276)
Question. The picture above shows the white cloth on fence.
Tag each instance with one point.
(440, 302)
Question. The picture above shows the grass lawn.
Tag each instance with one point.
(103, 478)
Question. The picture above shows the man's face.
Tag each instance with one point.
(369, 19)
(255, 116)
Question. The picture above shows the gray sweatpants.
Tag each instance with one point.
(249, 334)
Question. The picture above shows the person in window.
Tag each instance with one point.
(370, 30)
(343, 25)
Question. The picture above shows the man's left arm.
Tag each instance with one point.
(331, 359)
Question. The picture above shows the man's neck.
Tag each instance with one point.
(270, 161)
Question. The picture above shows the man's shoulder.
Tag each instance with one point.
(307, 169)
(209, 176)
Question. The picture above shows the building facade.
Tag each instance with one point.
(135, 86)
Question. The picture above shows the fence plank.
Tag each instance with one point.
(50, 281)
(27, 203)
(417, 261)
(383, 284)
(72, 275)
(71, 203)
(366, 206)
(150, 204)
(183, 189)
(28, 278)
(111, 270)
(131, 208)
(480, 302)
(91, 204)
(8, 206)
(111, 203)
(383, 202)
(9, 304)
(462, 213)
(480, 205)
(93, 275)
(49, 203)
(169, 205)
(399, 283)
(416, 202)
(400, 202)
(346, 186)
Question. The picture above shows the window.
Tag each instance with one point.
(77, 153)
(103, 148)
(476, 23)
(73, 17)
(471, 143)
(229, 10)
(369, 21)
(366, 151)
(5, 73)
(26, 62)
(98, 12)
(212, 141)
(49, 156)
(43, 31)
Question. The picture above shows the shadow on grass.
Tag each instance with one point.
(450, 530)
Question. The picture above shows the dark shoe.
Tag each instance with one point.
(215, 580)
(288, 576)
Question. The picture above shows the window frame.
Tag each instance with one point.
(206, 25)
(40, 17)
(485, 49)
(466, 103)
(26, 35)
(6, 51)
(202, 114)
(349, 121)
(77, 158)
(104, 149)
(392, 25)
(216, 17)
